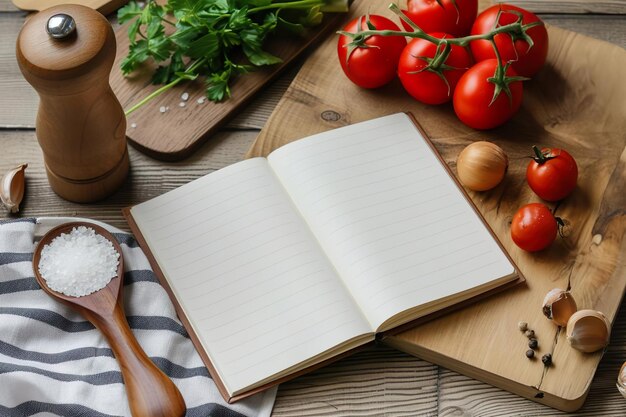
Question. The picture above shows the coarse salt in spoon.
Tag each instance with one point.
(92, 253)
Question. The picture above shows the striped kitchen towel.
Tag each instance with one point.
(54, 363)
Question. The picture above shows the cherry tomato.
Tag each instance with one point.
(533, 227)
(423, 84)
(526, 61)
(474, 92)
(375, 65)
(450, 16)
(552, 176)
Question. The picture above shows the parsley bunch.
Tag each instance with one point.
(215, 38)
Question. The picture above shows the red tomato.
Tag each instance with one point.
(553, 176)
(473, 95)
(450, 16)
(425, 85)
(526, 62)
(533, 227)
(375, 65)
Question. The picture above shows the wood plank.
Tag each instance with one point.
(19, 99)
(377, 382)
(571, 6)
(607, 28)
(148, 178)
(575, 100)
(8, 6)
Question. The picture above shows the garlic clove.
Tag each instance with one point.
(559, 305)
(588, 331)
(621, 380)
(12, 187)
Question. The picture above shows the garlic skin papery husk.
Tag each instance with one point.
(12, 186)
(621, 380)
(588, 331)
(559, 305)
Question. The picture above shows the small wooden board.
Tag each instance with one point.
(576, 102)
(176, 133)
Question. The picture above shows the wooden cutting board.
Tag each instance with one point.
(176, 133)
(575, 102)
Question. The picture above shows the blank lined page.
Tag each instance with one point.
(253, 281)
(388, 215)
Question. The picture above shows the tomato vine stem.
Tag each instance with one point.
(516, 30)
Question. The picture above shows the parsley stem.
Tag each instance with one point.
(190, 71)
(153, 95)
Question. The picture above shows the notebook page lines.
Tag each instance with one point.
(388, 215)
(250, 269)
(198, 190)
(374, 130)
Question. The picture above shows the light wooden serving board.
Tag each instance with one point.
(575, 102)
(176, 133)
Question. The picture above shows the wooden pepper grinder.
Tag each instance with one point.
(66, 53)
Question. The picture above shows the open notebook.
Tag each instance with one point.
(280, 264)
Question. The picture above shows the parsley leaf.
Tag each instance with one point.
(217, 39)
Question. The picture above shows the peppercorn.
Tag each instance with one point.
(530, 334)
(546, 359)
(523, 326)
(532, 343)
(530, 353)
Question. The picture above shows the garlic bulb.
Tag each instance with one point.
(588, 331)
(621, 380)
(481, 165)
(12, 187)
(558, 306)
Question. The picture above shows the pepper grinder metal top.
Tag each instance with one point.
(66, 53)
(61, 26)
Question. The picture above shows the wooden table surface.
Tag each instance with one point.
(377, 382)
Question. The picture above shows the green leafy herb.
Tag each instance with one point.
(217, 39)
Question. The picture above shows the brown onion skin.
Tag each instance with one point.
(481, 166)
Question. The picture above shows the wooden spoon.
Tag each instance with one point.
(150, 392)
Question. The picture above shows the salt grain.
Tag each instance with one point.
(181, 104)
(184, 96)
(162, 109)
(78, 263)
(133, 125)
(201, 100)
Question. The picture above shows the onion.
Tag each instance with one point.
(481, 166)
